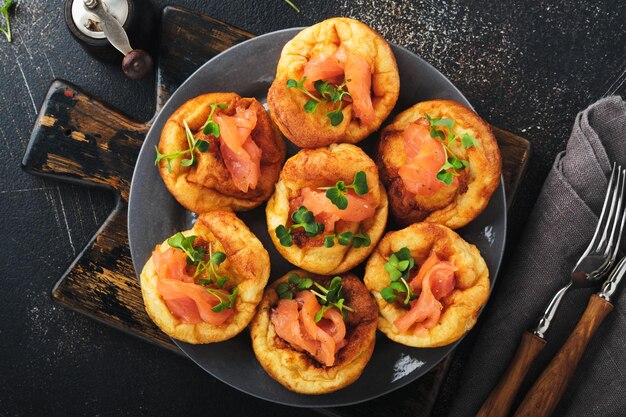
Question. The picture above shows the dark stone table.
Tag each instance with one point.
(527, 67)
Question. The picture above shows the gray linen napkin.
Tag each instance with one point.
(558, 230)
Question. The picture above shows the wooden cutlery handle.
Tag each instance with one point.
(501, 398)
(545, 394)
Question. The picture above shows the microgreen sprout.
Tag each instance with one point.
(453, 164)
(200, 144)
(328, 93)
(295, 284)
(210, 127)
(399, 267)
(226, 300)
(4, 11)
(330, 298)
(337, 194)
(301, 218)
(207, 268)
(185, 243)
(313, 101)
(334, 94)
(357, 240)
(293, 6)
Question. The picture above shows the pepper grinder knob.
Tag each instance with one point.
(137, 64)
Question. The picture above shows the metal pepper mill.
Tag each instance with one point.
(106, 28)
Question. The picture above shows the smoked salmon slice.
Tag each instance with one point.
(201, 301)
(286, 322)
(425, 156)
(437, 281)
(294, 322)
(186, 300)
(171, 264)
(241, 155)
(309, 307)
(333, 324)
(357, 73)
(323, 67)
(359, 83)
(359, 207)
(429, 263)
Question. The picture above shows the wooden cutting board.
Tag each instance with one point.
(79, 138)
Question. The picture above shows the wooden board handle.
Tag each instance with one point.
(79, 138)
(501, 398)
(545, 394)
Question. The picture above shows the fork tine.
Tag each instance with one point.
(604, 213)
(617, 233)
(604, 246)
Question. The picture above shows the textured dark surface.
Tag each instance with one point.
(527, 67)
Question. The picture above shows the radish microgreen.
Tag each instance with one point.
(328, 93)
(337, 194)
(295, 284)
(331, 298)
(357, 240)
(302, 218)
(210, 127)
(453, 164)
(206, 270)
(226, 300)
(200, 144)
(4, 10)
(293, 6)
(399, 267)
(313, 101)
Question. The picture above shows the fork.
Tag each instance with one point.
(546, 392)
(593, 265)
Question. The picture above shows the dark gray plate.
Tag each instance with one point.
(154, 215)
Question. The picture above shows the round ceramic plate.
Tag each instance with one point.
(154, 215)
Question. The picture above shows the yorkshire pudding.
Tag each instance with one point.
(433, 176)
(351, 233)
(448, 309)
(182, 302)
(337, 50)
(238, 178)
(293, 366)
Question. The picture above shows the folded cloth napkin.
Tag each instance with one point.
(558, 230)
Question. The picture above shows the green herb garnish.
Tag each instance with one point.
(200, 144)
(293, 6)
(311, 105)
(334, 94)
(4, 10)
(328, 93)
(196, 256)
(357, 240)
(227, 300)
(337, 194)
(331, 298)
(210, 127)
(295, 284)
(210, 267)
(453, 164)
(301, 218)
(399, 267)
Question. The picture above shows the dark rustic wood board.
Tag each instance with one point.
(81, 139)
